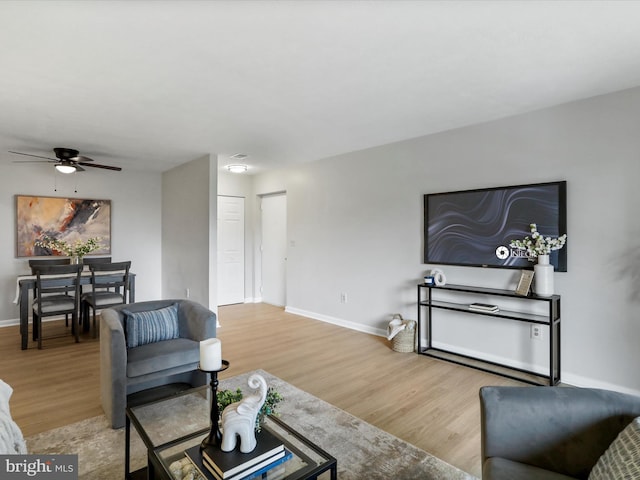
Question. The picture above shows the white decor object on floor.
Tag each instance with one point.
(239, 418)
(543, 277)
(396, 325)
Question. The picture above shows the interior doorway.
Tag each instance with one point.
(230, 250)
(274, 249)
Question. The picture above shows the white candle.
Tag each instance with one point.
(210, 354)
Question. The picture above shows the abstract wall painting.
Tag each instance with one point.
(67, 219)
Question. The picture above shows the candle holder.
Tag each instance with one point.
(215, 436)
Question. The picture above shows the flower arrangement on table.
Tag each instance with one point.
(227, 397)
(78, 248)
(537, 244)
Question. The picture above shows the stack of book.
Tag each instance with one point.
(484, 307)
(213, 463)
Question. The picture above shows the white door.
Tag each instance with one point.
(274, 249)
(230, 250)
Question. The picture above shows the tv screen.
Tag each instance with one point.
(467, 227)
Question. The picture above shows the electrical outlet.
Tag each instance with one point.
(187, 292)
(343, 297)
(536, 332)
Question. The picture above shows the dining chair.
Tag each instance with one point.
(86, 261)
(94, 260)
(57, 292)
(49, 261)
(109, 287)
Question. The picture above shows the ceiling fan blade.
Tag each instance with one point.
(36, 156)
(106, 167)
(67, 156)
(81, 158)
(34, 161)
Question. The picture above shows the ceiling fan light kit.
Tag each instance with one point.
(65, 168)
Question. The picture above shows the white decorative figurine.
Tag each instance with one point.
(239, 418)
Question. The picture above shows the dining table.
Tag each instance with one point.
(26, 283)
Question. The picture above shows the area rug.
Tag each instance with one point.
(362, 450)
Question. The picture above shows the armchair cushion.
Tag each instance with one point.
(159, 356)
(151, 326)
(622, 458)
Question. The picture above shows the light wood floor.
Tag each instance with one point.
(429, 403)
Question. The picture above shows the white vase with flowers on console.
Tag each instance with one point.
(539, 247)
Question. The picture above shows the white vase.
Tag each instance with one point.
(543, 277)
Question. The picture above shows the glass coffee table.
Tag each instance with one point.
(171, 424)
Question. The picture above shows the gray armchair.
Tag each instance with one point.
(124, 370)
(546, 433)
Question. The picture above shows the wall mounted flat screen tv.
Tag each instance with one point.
(467, 227)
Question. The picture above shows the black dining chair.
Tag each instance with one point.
(49, 261)
(57, 292)
(94, 260)
(109, 287)
(86, 261)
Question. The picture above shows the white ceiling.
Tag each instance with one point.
(150, 85)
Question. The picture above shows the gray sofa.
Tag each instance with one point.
(124, 371)
(549, 433)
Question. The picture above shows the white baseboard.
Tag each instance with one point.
(337, 321)
(579, 381)
(567, 378)
(16, 321)
(10, 322)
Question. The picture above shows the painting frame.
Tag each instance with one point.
(64, 218)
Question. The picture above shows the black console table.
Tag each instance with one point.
(431, 304)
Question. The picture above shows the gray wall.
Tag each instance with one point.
(189, 211)
(356, 221)
(135, 220)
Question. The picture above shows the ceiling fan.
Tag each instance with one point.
(69, 160)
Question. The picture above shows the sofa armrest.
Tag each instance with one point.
(196, 321)
(113, 366)
(562, 429)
